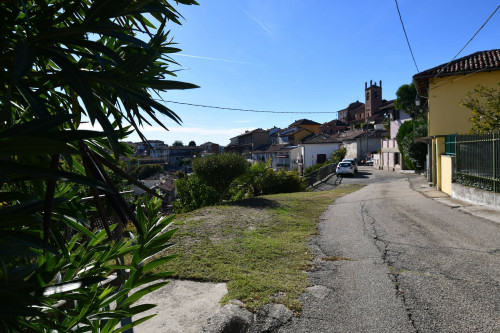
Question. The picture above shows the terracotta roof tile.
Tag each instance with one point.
(320, 138)
(479, 61)
(304, 122)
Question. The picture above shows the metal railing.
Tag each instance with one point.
(320, 174)
(478, 161)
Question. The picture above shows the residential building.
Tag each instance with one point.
(209, 148)
(290, 135)
(279, 154)
(333, 127)
(390, 157)
(316, 149)
(247, 142)
(444, 87)
(360, 145)
(310, 125)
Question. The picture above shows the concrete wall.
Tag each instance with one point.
(476, 196)
(446, 115)
(446, 173)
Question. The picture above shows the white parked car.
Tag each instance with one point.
(353, 162)
(345, 168)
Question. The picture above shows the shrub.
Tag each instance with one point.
(338, 155)
(193, 193)
(261, 179)
(219, 171)
(314, 167)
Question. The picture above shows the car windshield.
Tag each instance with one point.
(345, 164)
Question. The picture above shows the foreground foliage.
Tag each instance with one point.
(258, 245)
(63, 62)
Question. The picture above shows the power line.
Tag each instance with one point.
(245, 110)
(407, 40)
(455, 57)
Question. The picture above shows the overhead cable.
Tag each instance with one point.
(406, 35)
(246, 110)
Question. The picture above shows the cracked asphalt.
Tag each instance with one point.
(389, 259)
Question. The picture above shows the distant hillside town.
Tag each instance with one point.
(363, 129)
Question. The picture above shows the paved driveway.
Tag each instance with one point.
(390, 259)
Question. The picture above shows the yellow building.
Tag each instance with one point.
(307, 124)
(444, 87)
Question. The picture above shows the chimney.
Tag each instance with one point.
(366, 85)
(370, 83)
(380, 83)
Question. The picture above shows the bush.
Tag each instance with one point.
(338, 156)
(314, 167)
(282, 181)
(261, 179)
(219, 171)
(193, 193)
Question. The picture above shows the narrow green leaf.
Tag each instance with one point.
(73, 223)
(47, 173)
(23, 61)
(133, 324)
(33, 145)
(157, 262)
(36, 126)
(144, 291)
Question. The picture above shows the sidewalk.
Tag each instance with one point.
(420, 184)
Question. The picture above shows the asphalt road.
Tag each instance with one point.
(389, 259)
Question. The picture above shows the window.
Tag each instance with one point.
(321, 158)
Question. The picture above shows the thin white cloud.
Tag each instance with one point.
(266, 29)
(214, 59)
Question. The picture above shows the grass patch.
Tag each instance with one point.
(257, 246)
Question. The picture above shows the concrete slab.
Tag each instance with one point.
(183, 306)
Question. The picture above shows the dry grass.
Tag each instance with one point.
(258, 246)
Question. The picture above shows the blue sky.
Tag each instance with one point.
(307, 56)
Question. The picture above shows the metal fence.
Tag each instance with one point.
(320, 174)
(478, 161)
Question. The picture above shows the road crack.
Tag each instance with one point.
(370, 230)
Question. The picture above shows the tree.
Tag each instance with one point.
(413, 153)
(177, 143)
(485, 106)
(405, 101)
(192, 144)
(219, 171)
(63, 62)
